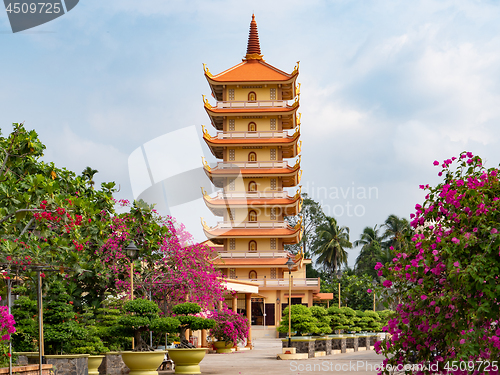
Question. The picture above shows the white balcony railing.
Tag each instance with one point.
(256, 104)
(252, 195)
(252, 164)
(254, 255)
(253, 225)
(273, 283)
(251, 135)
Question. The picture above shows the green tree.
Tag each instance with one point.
(371, 243)
(312, 217)
(396, 230)
(303, 321)
(25, 312)
(330, 245)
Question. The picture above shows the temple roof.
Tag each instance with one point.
(252, 71)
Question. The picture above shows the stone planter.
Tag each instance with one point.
(302, 344)
(113, 364)
(323, 344)
(143, 363)
(94, 363)
(22, 359)
(362, 341)
(187, 361)
(28, 370)
(223, 347)
(338, 343)
(352, 342)
(70, 364)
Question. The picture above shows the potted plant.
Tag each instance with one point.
(230, 328)
(140, 316)
(187, 358)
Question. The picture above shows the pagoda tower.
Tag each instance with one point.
(258, 147)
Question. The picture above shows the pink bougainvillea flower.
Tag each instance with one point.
(436, 162)
(387, 283)
(369, 291)
(455, 240)
(494, 231)
(462, 341)
(378, 266)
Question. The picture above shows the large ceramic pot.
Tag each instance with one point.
(143, 363)
(187, 361)
(223, 346)
(94, 363)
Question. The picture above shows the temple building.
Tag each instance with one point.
(257, 143)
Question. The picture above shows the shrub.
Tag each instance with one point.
(186, 314)
(229, 326)
(303, 322)
(323, 320)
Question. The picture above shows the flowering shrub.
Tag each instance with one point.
(229, 326)
(6, 323)
(446, 285)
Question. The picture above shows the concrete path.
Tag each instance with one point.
(262, 360)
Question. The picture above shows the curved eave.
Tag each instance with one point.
(288, 144)
(290, 175)
(290, 206)
(289, 236)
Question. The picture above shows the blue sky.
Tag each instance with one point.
(387, 87)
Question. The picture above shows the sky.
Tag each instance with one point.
(387, 87)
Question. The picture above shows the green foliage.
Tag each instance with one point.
(108, 330)
(4, 354)
(65, 331)
(25, 313)
(353, 290)
(330, 245)
(186, 309)
(303, 321)
(323, 320)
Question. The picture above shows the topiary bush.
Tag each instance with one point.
(303, 321)
(142, 315)
(187, 313)
(338, 320)
(25, 312)
(323, 320)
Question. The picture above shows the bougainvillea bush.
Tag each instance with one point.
(446, 286)
(230, 326)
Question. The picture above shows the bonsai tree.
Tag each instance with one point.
(142, 315)
(323, 320)
(230, 326)
(303, 321)
(188, 314)
(108, 329)
(66, 331)
(371, 321)
(25, 313)
(338, 320)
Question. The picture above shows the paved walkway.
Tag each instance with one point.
(262, 360)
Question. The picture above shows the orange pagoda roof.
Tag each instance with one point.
(291, 205)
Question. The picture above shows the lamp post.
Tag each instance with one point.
(132, 252)
(289, 263)
(339, 276)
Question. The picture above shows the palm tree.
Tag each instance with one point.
(372, 246)
(331, 244)
(395, 231)
(89, 174)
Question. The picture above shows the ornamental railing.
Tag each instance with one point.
(256, 104)
(284, 282)
(253, 255)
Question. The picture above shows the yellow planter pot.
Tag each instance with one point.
(187, 361)
(143, 363)
(94, 363)
(222, 347)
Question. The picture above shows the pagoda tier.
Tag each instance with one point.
(290, 144)
(287, 114)
(253, 71)
(226, 171)
(253, 230)
(287, 205)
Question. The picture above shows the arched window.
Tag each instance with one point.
(252, 156)
(252, 216)
(252, 127)
(252, 186)
(252, 247)
(252, 96)
(252, 275)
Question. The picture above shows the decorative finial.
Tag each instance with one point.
(253, 47)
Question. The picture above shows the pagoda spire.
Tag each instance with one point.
(253, 48)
